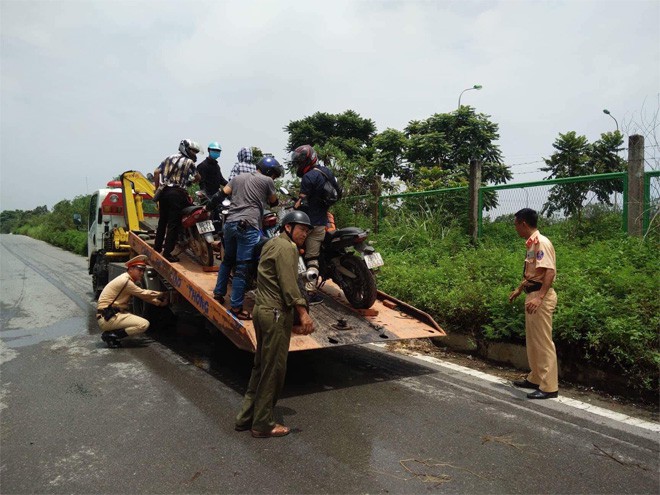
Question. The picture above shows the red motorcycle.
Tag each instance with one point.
(197, 231)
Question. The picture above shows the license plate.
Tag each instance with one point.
(373, 260)
(205, 227)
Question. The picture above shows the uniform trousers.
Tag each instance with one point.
(313, 250)
(133, 324)
(541, 352)
(273, 331)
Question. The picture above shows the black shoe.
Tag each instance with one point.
(242, 427)
(111, 340)
(524, 384)
(314, 298)
(219, 298)
(540, 394)
(171, 258)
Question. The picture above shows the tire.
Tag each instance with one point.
(360, 291)
(201, 250)
(95, 283)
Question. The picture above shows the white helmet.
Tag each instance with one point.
(189, 148)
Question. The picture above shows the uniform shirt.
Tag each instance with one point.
(111, 290)
(540, 254)
(277, 275)
(211, 175)
(175, 170)
(311, 186)
(249, 193)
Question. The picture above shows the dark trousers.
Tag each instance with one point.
(172, 202)
(273, 331)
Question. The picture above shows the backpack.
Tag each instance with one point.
(330, 192)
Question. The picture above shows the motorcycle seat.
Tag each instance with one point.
(189, 209)
(345, 232)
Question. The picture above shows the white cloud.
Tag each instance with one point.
(92, 88)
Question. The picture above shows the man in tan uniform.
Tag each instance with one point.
(116, 295)
(538, 275)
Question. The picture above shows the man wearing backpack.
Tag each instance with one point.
(318, 191)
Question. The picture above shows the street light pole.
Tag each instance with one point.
(607, 112)
(476, 86)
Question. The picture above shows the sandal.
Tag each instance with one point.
(240, 314)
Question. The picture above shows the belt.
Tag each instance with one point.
(532, 287)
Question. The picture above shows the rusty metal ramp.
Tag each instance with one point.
(336, 322)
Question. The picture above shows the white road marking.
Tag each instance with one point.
(599, 411)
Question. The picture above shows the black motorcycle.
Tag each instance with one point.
(348, 260)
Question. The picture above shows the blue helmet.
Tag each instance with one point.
(269, 166)
(214, 150)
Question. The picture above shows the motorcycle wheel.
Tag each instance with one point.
(360, 291)
(201, 249)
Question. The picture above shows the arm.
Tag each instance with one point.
(157, 177)
(533, 303)
(151, 296)
(306, 324)
(273, 200)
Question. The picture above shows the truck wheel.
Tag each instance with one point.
(201, 249)
(360, 291)
(95, 289)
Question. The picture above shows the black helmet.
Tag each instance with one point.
(304, 158)
(296, 217)
(271, 167)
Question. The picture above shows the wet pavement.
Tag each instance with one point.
(157, 415)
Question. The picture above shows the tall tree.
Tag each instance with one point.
(440, 149)
(575, 156)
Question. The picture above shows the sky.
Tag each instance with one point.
(92, 88)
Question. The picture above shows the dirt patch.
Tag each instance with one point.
(589, 395)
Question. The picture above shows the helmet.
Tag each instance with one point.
(215, 146)
(271, 167)
(214, 150)
(189, 148)
(296, 217)
(304, 158)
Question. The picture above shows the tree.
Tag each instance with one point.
(575, 156)
(440, 149)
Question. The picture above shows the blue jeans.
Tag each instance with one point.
(239, 249)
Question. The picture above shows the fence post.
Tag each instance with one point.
(635, 185)
(475, 184)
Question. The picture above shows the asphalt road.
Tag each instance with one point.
(157, 417)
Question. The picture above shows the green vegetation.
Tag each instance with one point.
(608, 313)
(55, 227)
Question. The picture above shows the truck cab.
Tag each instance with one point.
(111, 217)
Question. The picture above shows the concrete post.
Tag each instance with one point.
(475, 184)
(635, 185)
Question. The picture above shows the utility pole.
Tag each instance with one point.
(475, 184)
(635, 185)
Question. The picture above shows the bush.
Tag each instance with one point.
(608, 288)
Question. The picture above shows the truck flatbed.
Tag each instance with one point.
(336, 322)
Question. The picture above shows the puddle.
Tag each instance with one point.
(22, 337)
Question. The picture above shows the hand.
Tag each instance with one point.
(306, 325)
(532, 304)
(515, 294)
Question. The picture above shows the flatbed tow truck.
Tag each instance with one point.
(336, 322)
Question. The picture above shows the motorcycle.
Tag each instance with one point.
(348, 260)
(196, 236)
